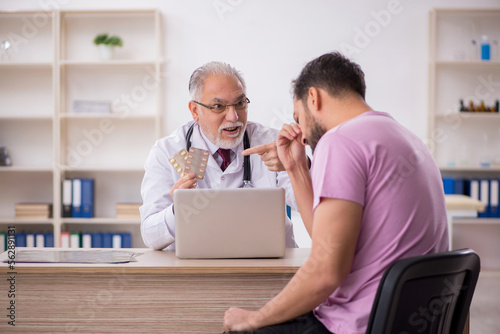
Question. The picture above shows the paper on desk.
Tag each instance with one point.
(72, 256)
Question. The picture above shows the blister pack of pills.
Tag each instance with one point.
(194, 161)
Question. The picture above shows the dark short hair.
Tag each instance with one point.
(332, 72)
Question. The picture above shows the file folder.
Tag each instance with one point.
(494, 194)
(67, 194)
(76, 205)
(484, 197)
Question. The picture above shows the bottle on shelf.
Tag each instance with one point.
(5, 159)
(485, 156)
(485, 48)
(473, 50)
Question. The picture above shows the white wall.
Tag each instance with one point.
(270, 41)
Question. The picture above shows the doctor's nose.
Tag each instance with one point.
(231, 114)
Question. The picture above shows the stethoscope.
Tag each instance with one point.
(247, 170)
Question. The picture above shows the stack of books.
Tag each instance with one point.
(128, 210)
(33, 210)
(84, 106)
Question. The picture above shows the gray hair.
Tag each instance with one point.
(212, 68)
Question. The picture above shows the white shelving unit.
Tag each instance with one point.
(460, 140)
(56, 65)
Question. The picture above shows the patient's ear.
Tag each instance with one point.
(314, 99)
(193, 107)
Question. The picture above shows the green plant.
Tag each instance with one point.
(108, 40)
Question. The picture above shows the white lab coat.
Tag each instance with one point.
(157, 218)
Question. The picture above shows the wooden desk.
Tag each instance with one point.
(158, 294)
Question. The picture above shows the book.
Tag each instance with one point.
(91, 106)
(33, 210)
(128, 210)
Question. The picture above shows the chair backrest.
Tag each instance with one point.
(428, 294)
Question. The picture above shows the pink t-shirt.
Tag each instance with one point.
(374, 161)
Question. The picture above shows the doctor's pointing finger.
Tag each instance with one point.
(268, 154)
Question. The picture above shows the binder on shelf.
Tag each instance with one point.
(49, 239)
(484, 197)
(96, 240)
(87, 198)
(460, 186)
(30, 240)
(3, 242)
(126, 240)
(64, 240)
(448, 185)
(20, 239)
(86, 240)
(76, 205)
(40, 240)
(107, 240)
(494, 194)
(67, 194)
(74, 240)
(117, 240)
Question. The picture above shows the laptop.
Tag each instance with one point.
(230, 223)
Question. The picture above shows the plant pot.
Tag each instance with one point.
(106, 52)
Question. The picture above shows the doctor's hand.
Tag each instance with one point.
(268, 154)
(291, 148)
(239, 320)
(188, 181)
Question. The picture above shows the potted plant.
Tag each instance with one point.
(106, 45)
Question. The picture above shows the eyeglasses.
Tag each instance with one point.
(219, 107)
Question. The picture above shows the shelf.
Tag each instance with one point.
(16, 221)
(487, 221)
(26, 118)
(31, 169)
(116, 221)
(47, 142)
(106, 169)
(26, 65)
(469, 63)
(105, 63)
(493, 169)
(470, 115)
(106, 115)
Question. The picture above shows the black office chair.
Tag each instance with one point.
(428, 294)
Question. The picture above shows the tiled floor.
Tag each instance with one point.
(485, 308)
